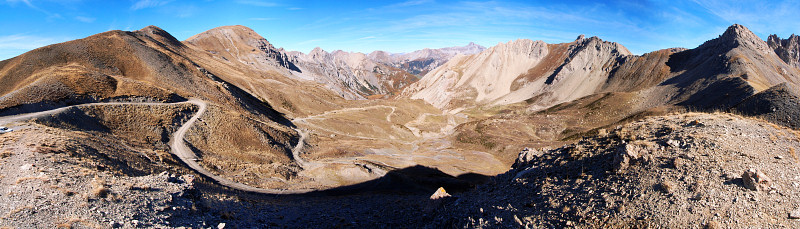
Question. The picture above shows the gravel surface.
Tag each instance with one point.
(677, 171)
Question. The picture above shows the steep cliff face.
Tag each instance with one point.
(520, 70)
(787, 49)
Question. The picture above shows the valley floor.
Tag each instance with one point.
(683, 170)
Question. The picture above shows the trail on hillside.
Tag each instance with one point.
(178, 145)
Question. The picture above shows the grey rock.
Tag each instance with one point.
(794, 214)
(624, 156)
(755, 180)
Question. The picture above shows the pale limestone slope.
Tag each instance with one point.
(520, 70)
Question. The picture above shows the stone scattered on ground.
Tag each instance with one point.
(439, 194)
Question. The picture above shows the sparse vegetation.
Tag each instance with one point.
(99, 189)
(24, 179)
(17, 211)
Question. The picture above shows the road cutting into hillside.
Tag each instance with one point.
(179, 148)
(178, 143)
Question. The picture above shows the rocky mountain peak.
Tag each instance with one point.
(737, 35)
(519, 45)
(244, 45)
(317, 53)
(152, 29)
(160, 35)
(600, 44)
(380, 56)
(234, 34)
(787, 49)
(473, 47)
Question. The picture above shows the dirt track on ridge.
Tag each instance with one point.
(177, 144)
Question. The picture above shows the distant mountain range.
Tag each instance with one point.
(352, 75)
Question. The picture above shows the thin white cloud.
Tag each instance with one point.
(295, 8)
(30, 5)
(262, 19)
(367, 37)
(142, 4)
(411, 3)
(17, 44)
(26, 42)
(85, 19)
(257, 3)
(310, 41)
(184, 11)
(763, 17)
(27, 2)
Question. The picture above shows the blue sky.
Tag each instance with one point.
(399, 26)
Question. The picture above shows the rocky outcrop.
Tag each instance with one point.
(580, 185)
(787, 49)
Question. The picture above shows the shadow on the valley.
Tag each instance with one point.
(415, 180)
(399, 199)
(411, 180)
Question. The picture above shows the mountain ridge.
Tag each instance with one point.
(352, 75)
(252, 117)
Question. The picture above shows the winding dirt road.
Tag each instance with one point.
(178, 144)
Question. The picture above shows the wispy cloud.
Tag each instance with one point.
(16, 44)
(760, 16)
(411, 3)
(367, 37)
(295, 8)
(26, 42)
(257, 3)
(184, 11)
(85, 19)
(26, 2)
(142, 4)
(312, 41)
(262, 19)
(34, 7)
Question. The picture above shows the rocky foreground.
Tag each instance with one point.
(685, 171)
(678, 171)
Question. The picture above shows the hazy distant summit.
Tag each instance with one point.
(421, 62)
